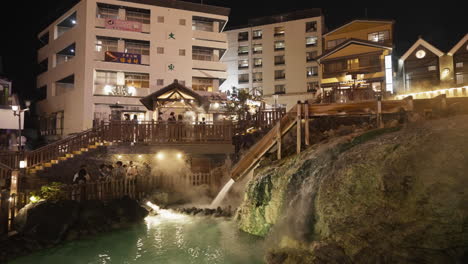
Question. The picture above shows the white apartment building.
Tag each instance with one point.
(275, 57)
(105, 55)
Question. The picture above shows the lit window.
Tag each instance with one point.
(257, 76)
(459, 65)
(257, 34)
(257, 62)
(431, 68)
(312, 71)
(352, 64)
(380, 36)
(279, 45)
(257, 48)
(243, 50)
(244, 78)
(243, 64)
(311, 41)
(279, 31)
(312, 87)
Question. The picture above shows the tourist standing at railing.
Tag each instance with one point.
(132, 171)
(203, 129)
(118, 171)
(80, 179)
(135, 128)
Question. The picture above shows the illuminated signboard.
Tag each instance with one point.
(118, 24)
(121, 57)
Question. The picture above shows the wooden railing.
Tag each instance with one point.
(167, 132)
(264, 120)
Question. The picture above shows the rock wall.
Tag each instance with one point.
(385, 196)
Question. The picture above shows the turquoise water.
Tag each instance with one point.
(167, 238)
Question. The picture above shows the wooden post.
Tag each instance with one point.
(298, 124)
(443, 102)
(306, 125)
(278, 141)
(379, 112)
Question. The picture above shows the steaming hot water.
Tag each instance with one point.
(166, 238)
(219, 198)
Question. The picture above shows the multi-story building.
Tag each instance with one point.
(105, 55)
(356, 63)
(425, 68)
(274, 57)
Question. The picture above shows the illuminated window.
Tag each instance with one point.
(279, 45)
(137, 80)
(431, 68)
(243, 50)
(258, 62)
(257, 76)
(243, 78)
(380, 36)
(459, 65)
(137, 47)
(106, 44)
(243, 64)
(312, 87)
(311, 41)
(312, 71)
(352, 64)
(279, 31)
(257, 34)
(257, 48)
(202, 84)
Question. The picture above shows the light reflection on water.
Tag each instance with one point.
(168, 238)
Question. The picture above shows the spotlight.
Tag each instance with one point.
(119, 156)
(139, 156)
(179, 155)
(33, 199)
(22, 164)
(73, 21)
(160, 156)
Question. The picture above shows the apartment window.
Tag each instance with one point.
(202, 53)
(160, 82)
(312, 87)
(280, 74)
(244, 78)
(280, 89)
(44, 40)
(380, 36)
(279, 60)
(257, 91)
(137, 47)
(137, 80)
(311, 26)
(160, 50)
(142, 16)
(43, 66)
(243, 50)
(105, 78)
(243, 36)
(279, 45)
(334, 43)
(160, 19)
(202, 84)
(279, 31)
(202, 24)
(257, 76)
(352, 64)
(312, 71)
(258, 62)
(257, 34)
(106, 44)
(182, 22)
(459, 78)
(432, 68)
(107, 11)
(42, 93)
(257, 48)
(181, 52)
(311, 41)
(311, 55)
(459, 65)
(243, 64)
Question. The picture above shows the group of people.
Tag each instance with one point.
(108, 172)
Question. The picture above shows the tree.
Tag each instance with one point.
(240, 101)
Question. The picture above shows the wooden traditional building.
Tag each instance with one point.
(460, 62)
(356, 64)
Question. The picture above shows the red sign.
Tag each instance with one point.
(123, 25)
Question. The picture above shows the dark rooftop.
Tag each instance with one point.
(290, 16)
(216, 10)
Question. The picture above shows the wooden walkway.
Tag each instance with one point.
(301, 114)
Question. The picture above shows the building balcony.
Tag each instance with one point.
(209, 36)
(209, 65)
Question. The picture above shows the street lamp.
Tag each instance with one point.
(17, 112)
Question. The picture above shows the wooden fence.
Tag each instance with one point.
(264, 120)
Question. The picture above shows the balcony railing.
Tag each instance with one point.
(202, 57)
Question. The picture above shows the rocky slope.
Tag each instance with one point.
(385, 196)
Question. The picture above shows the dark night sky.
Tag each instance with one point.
(22, 20)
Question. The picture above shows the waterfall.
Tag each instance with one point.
(219, 198)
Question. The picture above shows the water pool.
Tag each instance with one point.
(166, 238)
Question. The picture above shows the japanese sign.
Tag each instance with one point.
(111, 23)
(120, 57)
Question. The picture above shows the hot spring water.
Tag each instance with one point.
(219, 198)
